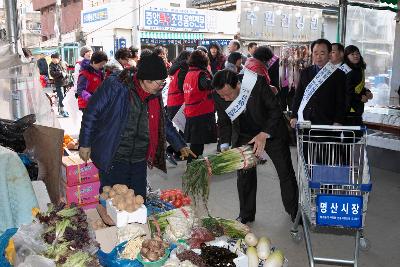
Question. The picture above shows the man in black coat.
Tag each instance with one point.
(42, 65)
(262, 124)
(327, 106)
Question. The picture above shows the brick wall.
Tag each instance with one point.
(70, 16)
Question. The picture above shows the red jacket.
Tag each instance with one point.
(175, 96)
(258, 67)
(197, 102)
(93, 82)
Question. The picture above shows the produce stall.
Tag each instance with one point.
(125, 229)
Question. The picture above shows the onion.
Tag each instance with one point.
(251, 240)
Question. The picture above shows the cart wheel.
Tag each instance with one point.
(365, 245)
(296, 237)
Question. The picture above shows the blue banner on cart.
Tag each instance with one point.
(340, 210)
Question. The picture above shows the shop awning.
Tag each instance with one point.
(172, 35)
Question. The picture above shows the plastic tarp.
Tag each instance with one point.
(16, 192)
(21, 93)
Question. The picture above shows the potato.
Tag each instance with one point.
(129, 201)
(130, 207)
(139, 200)
(112, 193)
(130, 192)
(144, 251)
(146, 243)
(116, 186)
(121, 206)
(123, 189)
(115, 202)
(104, 195)
(106, 188)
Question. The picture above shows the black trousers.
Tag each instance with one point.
(197, 149)
(279, 152)
(60, 96)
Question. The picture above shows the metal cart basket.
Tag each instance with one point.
(334, 184)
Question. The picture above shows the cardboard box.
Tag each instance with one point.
(75, 171)
(81, 194)
(108, 237)
(122, 218)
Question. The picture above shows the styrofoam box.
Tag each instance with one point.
(122, 218)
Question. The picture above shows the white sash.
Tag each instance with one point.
(239, 104)
(313, 86)
(345, 68)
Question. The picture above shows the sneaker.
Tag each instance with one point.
(64, 114)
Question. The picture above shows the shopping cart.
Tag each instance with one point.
(334, 184)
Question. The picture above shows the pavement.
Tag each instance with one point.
(381, 225)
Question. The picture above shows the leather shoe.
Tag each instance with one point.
(244, 220)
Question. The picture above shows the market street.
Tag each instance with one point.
(271, 220)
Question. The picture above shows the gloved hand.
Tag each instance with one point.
(84, 153)
(185, 152)
(86, 95)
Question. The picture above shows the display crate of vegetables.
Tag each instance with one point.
(196, 179)
(61, 236)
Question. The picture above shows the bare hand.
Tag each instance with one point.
(364, 99)
(293, 123)
(259, 143)
(185, 152)
(84, 153)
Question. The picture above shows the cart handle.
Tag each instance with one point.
(361, 187)
(308, 125)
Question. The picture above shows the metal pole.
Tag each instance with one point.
(342, 20)
(12, 28)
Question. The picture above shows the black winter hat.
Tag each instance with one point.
(151, 68)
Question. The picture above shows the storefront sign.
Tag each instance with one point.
(272, 22)
(184, 20)
(93, 16)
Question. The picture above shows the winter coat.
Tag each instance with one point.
(59, 73)
(105, 120)
(262, 114)
(43, 67)
(113, 66)
(355, 83)
(258, 67)
(175, 90)
(84, 89)
(217, 63)
(328, 103)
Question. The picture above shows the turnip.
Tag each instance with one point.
(276, 259)
(251, 240)
(252, 257)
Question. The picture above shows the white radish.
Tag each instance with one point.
(276, 259)
(252, 257)
(263, 248)
(251, 240)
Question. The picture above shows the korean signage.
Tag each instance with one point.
(93, 16)
(272, 22)
(346, 211)
(184, 20)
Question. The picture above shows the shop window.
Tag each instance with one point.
(374, 36)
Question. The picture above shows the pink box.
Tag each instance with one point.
(82, 194)
(75, 171)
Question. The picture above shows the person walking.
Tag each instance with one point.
(357, 94)
(124, 128)
(259, 122)
(217, 59)
(90, 78)
(85, 55)
(199, 108)
(59, 73)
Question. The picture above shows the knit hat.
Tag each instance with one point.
(84, 50)
(151, 68)
(234, 56)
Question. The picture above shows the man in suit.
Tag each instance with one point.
(259, 122)
(327, 106)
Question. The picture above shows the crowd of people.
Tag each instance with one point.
(126, 125)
